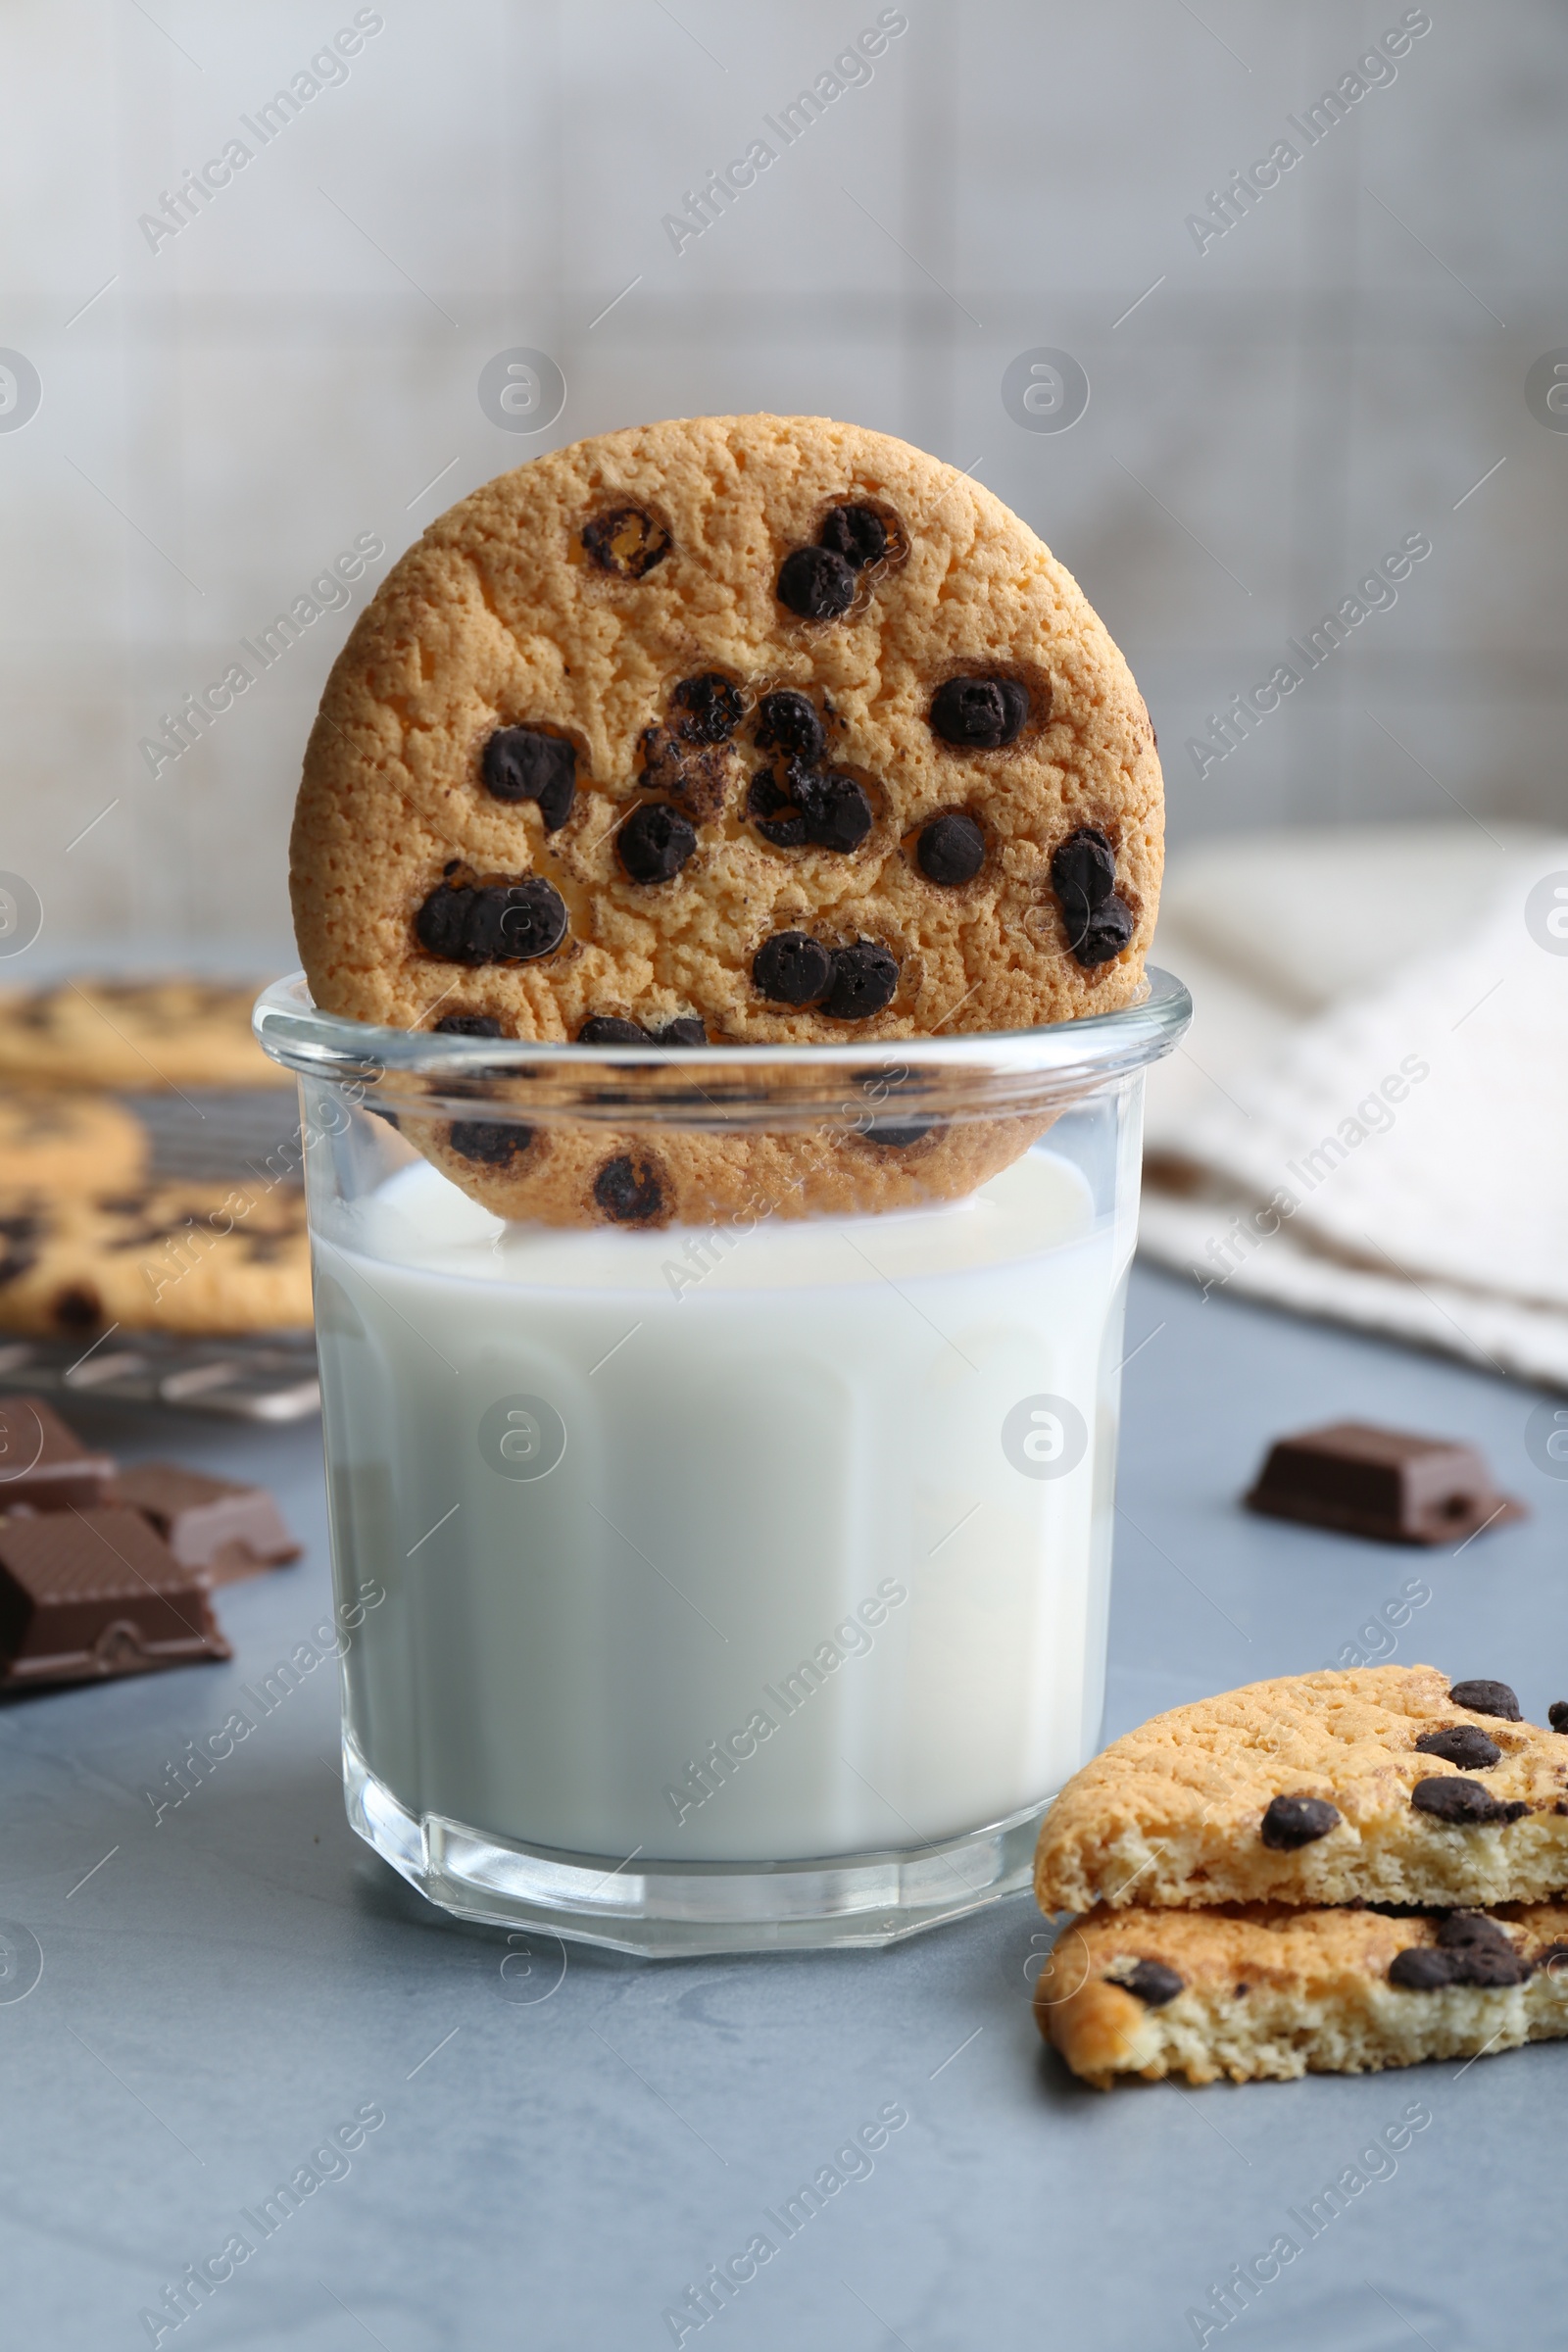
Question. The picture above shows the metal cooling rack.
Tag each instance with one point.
(266, 1375)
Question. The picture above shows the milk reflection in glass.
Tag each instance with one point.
(743, 1547)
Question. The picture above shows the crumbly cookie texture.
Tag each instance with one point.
(137, 1035)
(202, 1258)
(72, 1143)
(1384, 1783)
(630, 716)
(1274, 1989)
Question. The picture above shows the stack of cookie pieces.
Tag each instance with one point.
(94, 1233)
(1333, 1872)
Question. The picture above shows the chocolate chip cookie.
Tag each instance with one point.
(767, 723)
(1381, 1783)
(203, 1258)
(1268, 1989)
(138, 1035)
(756, 729)
(53, 1140)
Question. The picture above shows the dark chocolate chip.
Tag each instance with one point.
(1151, 1982)
(857, 533)
(1557, 1714)
(608, 1029)
(521, 765)
(628, 1192)
(1420, 1968)
(18, 1234)
(511, 922)
(626, 542)
(774, 813)
(490, 1143)
(950, 850)
(1465, 1805)
(686, 1030)
(815, 583)
(1471, 1949)
(979, 714)
(1462, 1743)
(787, 722)
(1293, 1821)
(1485, 1698)
(865, 978)
(837, 814)
(1463, 1930)
(1085, 864)
(468, 1024)
(1096, 935)
(791, 969)
(655, 842)
(77, 1307)
(897, 1135)
(712, 708)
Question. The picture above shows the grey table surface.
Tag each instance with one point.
(565, 2148)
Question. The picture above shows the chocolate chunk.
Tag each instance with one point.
(608, 1029)
(468, 1024)
(521, 765)
(837, 814)
(1464, 1805)
(1361, 1479)
(865, 978)
(84, 1594)
(815, 583)
(979, 714)
(1461, 1743)
(1151, 1982)
(1485, 1698)
(791, 969)
(1097, 934)
(44, 1464)
(1294, 1821)
(1557, 1714)
(628, 1190)
(509, 922)
(787, 722)
(1085, 865)
(712, 708)
(655, 842)
(214, 1524)
(950, 850)
(686, 1030)
(489, 1143)
(626, 542)
(857, 533)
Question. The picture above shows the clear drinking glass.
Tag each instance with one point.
(729, 1584)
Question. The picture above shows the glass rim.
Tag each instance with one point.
(980, 1073)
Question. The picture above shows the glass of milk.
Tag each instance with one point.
(731, 1585)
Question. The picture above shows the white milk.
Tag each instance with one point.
(783, 1595)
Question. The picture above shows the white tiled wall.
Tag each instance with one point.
(294, 367)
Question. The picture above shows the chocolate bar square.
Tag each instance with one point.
(43, 1463)
(1385, 1483)
(86, 1594)
(214, 1524)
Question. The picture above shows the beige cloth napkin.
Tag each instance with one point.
(1369, 1118)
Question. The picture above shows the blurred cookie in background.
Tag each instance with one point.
(53, 1141)
(134, 1033)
